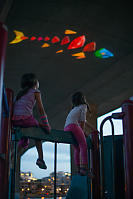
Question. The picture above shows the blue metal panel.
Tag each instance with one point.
(80, 188)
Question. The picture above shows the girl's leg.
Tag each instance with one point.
(80, 138)
(40, 162)
(23, 143)
(77, 157)
(76, 154)
(38, 144)
(82, 149)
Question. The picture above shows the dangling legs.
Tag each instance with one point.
(77, 157)
(80, 137)
(83, 151)
(81, 140)
(38, 144)
(40, 162)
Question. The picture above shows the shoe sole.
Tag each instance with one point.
(41, 167)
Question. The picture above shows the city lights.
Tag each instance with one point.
(41, 188)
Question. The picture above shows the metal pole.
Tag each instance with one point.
(113, 157)
(3, 133)
(5, 141)
(127, 108)
(13, 172)
(95, 165)
(102, 154)
(3, 43)
(55, 169)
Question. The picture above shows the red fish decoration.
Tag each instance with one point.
(90, 47)
(65, 40)
(24, 38)
(46, 38)
(77, 42)
(40, 39)
(33, 38)
(55, 39)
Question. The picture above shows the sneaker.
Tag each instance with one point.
(41, 164)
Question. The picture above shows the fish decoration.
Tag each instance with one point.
(80, 55)
(90, 47)
(65, 40)
(55, 40)
(76, 43)
(103, 53)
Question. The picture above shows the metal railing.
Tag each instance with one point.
(109, 118)
(56, 136)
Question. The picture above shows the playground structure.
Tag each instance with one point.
(111, 180)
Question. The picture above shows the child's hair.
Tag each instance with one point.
(28, 80)
(78, 98)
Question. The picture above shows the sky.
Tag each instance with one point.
(28, 160)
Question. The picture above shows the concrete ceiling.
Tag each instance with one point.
(105, 82)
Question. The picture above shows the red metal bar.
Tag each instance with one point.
(127, 108)
(95, 165)
(3, 42)
(5, 147)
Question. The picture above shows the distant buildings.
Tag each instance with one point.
(27, 176)
(30, 186)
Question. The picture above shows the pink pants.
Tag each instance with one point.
(80, 150)
(24, 122)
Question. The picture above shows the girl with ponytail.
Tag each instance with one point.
(27, 97)
(75, 122)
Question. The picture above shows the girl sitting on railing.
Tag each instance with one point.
(25, 100)
(75, 122)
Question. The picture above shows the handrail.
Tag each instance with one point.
(119, 115)
(102, 156)
(58, 136)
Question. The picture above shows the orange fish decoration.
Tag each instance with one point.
(80, 55)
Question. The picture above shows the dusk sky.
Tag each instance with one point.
(28, 160)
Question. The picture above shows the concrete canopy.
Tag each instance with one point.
(105, 82)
